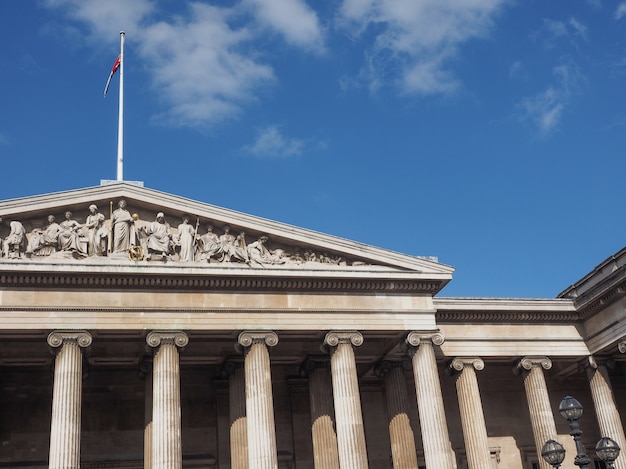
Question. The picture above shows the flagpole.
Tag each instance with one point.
(120, 128)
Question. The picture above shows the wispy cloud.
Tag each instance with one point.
(553, 31)
(418, 40)
(545, 109)
(200, 66)
(203, 64)
(620, 11)
(293, 19)
(271, 143)
(3, 139)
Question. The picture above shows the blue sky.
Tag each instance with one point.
(488, 133)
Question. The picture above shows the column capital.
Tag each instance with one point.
(593, 362)
(414, 338)
(458, 363)
(334, 338)
(312, 363)
(145, 367)
(247, 338)
(385, 366)
(57, 338)
(528, 363)
(157, 338)
(230, 366)
(621, 345)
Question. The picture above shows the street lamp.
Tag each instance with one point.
(554, 453)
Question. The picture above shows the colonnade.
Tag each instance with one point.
(337, 429)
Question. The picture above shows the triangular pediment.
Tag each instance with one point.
(285, 246)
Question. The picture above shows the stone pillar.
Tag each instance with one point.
(403, 452)
(145, 373)
(435, 437)
(237, 412)
(604, 403)
(348, 415)
(166, 424)
(325, 452)
(262, 453)
(541, 416)
(471, 409)
(66, 398)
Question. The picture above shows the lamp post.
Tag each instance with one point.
(554, 453)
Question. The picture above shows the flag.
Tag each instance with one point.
(116, 65)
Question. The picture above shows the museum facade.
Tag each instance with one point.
(145, 330)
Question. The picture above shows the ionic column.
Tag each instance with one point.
(435, 437)
(541, 416)
(471, 409)
(606, 411)
(349, 419)
(262, 452)
(237, 413)
(66, 398)
(166, 425)
(145, 373)
(325, 452)
(403, 452)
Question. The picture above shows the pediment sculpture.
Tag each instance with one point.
(124, 235)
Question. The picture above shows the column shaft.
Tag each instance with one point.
(66, 399)
(349, 419)
(262, 453)
(606, 410)
(145, 372)
(325, 453)
(238, 426)
(166, 418)
(541, 416)
(435, 438)
(403, 452)
(472, 416)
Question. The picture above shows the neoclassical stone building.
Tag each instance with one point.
(142, 329)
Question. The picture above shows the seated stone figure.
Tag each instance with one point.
(159, 239)
(208, 245)
(44, 241)
(15, 243)
(69, 236)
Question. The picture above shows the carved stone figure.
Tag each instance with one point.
(208, 245)
(259, 254)
(44, 242)
(186, 240)
(122, 223)
(69, 237)
(159, 236)
(15, 243)
(229, 246)
(97, 232)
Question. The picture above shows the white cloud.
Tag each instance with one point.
(198, 67)
(3, 139)
(545, 109)
(106, 18)
(203, 63)
(271, 143)
(620, 11)
(517, 70)
(419, 39)
(293, 19)
(553, 31)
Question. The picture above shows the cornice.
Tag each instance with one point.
(167, 281)
(515, 310)
(602, 296)
(506, 316)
